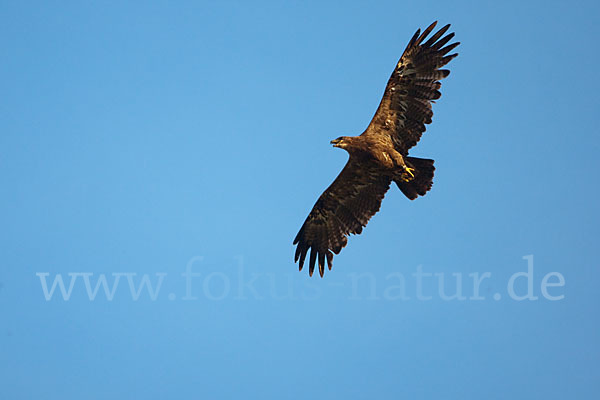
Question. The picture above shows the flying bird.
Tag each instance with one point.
(379, 156)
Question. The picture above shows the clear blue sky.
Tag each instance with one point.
(151, 137)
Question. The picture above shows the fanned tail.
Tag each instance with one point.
(422, 181)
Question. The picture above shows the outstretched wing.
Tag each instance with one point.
(344, 208)
(412, 88)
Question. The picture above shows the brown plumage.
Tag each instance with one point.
(380, 154)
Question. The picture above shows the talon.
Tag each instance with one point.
(409, 171)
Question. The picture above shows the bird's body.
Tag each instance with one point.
(379, 156)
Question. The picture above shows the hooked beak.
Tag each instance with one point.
(335, 142)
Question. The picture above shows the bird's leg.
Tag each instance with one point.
(407, 172)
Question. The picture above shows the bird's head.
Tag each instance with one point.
(342, 142)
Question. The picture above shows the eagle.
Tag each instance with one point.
(379, 156)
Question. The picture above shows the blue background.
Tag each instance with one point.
(136, 136)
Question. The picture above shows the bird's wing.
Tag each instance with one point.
(344, 208)
(414, 85)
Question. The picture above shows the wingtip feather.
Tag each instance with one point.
(313, 258)
(436, 36)
(426, 32)
(321, 263)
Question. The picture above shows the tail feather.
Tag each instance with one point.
(422, 181)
